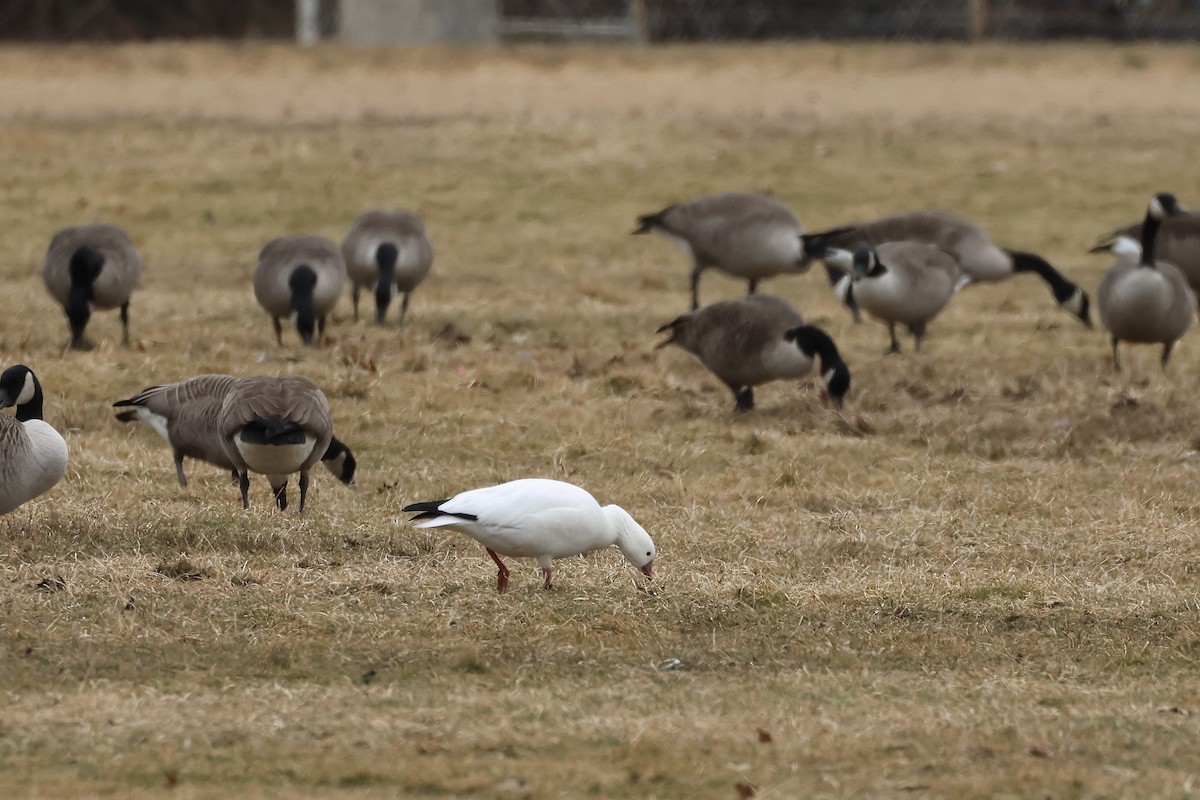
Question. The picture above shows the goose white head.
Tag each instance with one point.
(635, 543)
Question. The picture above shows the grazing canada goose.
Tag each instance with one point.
(1177, 242)
(185, 414)
(1147, 301)
(756, 339)
(979, 259)
(299, 277)
(389, 251)
(538, 518)
(91, 267)
(33, 456)
(749, 236)
(901, 282)
(275, 427)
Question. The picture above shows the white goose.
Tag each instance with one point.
(33, 456)
(538, 518)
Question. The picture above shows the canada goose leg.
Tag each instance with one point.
(696, 270)
(1166, 354)
(753, 286)
(234, 473)
(546, 578)
(354, 296)
(1116, 359)
(895, 348)
(281, 496)
(179, 476)
(918, 332)
(303, 489)
(125, 324)
(244, 485)
(278, 330)
(502, 575)
(745, 399)
(403, 309)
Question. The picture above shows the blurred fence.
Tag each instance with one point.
(656, 20)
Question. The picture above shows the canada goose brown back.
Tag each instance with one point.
(1177, 242)
(275, 427)
(186, 415)
(301, 276)
(979, 260)
(91, 267)
(906, 283)
(750, 236)
(1147, 301)
(757, 339)
(33, 455)
(389, 252)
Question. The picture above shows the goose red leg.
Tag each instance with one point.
(546, 572)
(502, 575)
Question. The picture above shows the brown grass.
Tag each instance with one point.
(978, 580)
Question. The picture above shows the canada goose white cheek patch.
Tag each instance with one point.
(1074, 303)
(841, 289)
(827, 376)
(840, 258)
(28, 390)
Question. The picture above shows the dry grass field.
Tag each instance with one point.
(981, 578)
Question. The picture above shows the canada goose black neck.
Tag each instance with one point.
(340, 461)
(302, 281)
(20, 387)
(816, 343)
(85, 266)
(1031, 262)
(1163, 205)
(385, 257)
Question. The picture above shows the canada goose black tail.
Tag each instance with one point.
(817, 244)
(674, 327)
(650, 222)
(272, 430)
(429, 510)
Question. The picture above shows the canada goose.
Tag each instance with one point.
(33, 456)
(1147, 301)
(901, 282)
(979, 259)
(538, 518)
(91, 267)
(299, 277)
(749, 236)
(756, 339)
(185, 414)
(275, 426)
(1177, 242)
(389, 251)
